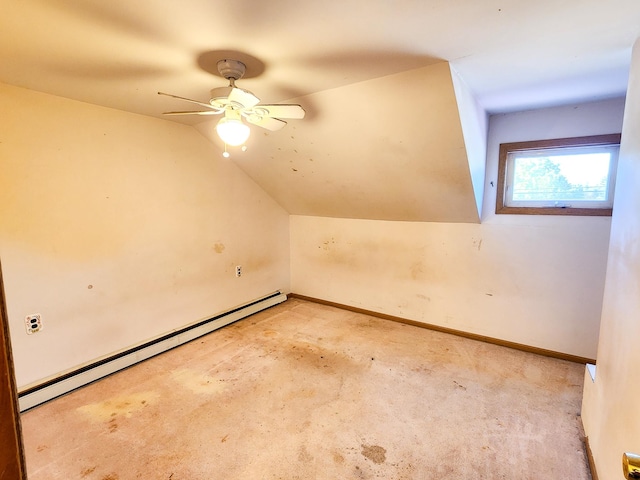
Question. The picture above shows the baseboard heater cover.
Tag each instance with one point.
(36, 395)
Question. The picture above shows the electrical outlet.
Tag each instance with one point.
(33, 323)
(238, 271)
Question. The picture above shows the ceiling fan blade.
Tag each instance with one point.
(281, 111)
(243, 97)
(202, 104)
(269, 123)
(207, 112)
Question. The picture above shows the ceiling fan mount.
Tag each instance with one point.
(231, 69)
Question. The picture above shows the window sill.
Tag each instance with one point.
(594, 212)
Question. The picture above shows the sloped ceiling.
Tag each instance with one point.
(384, 136)
(390, 148)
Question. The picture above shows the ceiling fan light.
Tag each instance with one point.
(232, 131)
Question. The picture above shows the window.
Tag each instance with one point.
(566, 176)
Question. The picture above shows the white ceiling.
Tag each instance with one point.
(512, 54)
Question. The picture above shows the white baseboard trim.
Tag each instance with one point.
(38, 394)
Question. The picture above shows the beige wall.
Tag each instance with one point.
(532, 280)
(610, 410)
(117, 228)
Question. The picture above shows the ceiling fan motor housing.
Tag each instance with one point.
(219, 96)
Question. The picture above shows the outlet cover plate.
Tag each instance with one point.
(33, 323)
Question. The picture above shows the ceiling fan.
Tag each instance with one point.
(237, 104)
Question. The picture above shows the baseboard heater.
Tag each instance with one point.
(50, 389)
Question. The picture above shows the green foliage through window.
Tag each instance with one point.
(549, 178)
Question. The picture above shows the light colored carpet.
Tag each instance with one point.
(306, 391)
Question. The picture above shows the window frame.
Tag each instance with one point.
(507, 148)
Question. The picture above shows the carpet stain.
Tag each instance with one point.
(338, 458)
(375, 453)
(124, 405)
(302, 393)
(87, 471)
(113, 426)
(198, 382)
(459, 385)
(304, 456)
